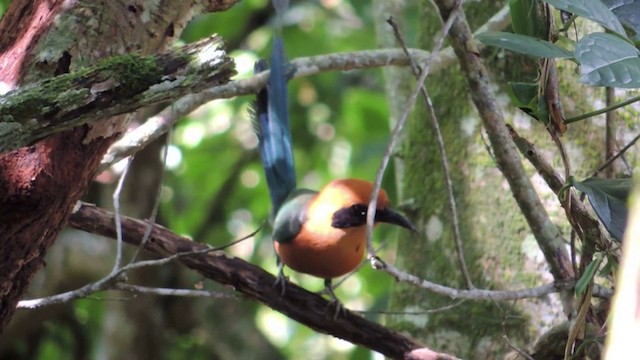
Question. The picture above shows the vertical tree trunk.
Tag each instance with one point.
(40, 184)
(493, 245)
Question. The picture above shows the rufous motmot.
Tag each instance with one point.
(320, 233)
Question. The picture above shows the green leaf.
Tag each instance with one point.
(585, 279)
(527, 20)
(608, 197)
(628, 12)
(607, 60)
(610, 267)
(525, 96)
(593, 10)
(523, 44)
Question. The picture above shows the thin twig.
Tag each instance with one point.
(156, 204)
(395, 135)
(421, 312)
(610, 129)
(617, 155)
(589, 226)
(508, 341)
(603, 110)
(455, 224)
(115, 278)
(482, 294)
(116, 206)
(137, 289)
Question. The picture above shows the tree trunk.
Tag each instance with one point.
(40, 184)
(500, 250)
(492, 228)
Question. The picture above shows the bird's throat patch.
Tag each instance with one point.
(352, 216)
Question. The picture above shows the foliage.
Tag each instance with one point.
(608, 197)
(605, 59)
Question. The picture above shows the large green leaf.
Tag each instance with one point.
(523, 44)
(591, 9)
(608, 60)
(628, 11)
(608, 197)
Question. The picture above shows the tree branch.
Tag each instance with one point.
(297, 303)
(483, 294)
(137, 139)
(588, 225)
(117, 85)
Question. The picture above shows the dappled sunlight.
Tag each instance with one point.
(250, 178)
(275, 326)
(244, 63)
(173, 158)
(340, 158)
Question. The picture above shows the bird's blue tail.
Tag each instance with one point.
(272, 121)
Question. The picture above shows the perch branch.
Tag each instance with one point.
(297, 303)
(255, 283)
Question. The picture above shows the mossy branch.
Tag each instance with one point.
(117, 85)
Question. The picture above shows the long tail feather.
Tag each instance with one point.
(272, 123)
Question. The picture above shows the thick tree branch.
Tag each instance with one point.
(117, 85)
(297, 303)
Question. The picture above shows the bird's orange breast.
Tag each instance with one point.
(332, 253)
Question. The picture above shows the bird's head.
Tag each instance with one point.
(347, 200)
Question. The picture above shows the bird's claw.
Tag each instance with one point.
(339, 308)
(281, 279)
(334, 302)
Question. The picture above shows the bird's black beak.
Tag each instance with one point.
(390, 216)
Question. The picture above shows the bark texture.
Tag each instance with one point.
(493, 245)
(39, 184)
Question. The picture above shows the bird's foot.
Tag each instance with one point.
(334, 302)
(338, 308)
(281, 280)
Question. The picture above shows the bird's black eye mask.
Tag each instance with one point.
(352, 216)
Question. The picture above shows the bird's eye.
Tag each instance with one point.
(359, 210)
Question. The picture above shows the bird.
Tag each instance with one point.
(319, 233)
(323, 233)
